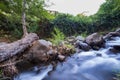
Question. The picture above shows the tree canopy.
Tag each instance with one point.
(41, 21)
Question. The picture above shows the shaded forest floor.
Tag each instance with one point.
(5, 36)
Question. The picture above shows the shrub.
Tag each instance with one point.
(57, 36)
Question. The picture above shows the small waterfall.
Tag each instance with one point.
(92, 65)
(35, 74)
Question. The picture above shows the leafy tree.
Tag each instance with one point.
(40, 21)
(108, 16)
(23, 19)
(65, 23)
(11, 11)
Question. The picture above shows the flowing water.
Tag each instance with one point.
(92, 65)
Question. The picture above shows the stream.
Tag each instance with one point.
(91, 65)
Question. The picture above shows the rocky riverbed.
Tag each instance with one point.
(97, 58)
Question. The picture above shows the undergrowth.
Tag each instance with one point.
(57, 36)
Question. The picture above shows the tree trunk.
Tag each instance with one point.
(9, 50)
(23, 20)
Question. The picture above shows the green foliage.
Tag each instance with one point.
(42, 22)
(11, 11)
(84, 34)
(108, 16)
(57, 36)
(17, 33)
(65, 23)
(0, 74)
(71, 25)
(33, 27)
(69, 46)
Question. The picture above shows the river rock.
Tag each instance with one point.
(2, 43)
(70, 39)
(61, 57)
(82, 45)
(111, 34)
(115, 49)
(94, 40)
(98, 54)
(45, 43)
(80, 38)
(118, 30)
(40, 50)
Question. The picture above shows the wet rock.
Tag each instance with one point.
(73, 39)
(80, 38)
(2, 43)
(78, 50)
(118, 30)
(70, 39)
(82, 45)
(115, 49)
(111, 34)
(94, 40)
(99, 54)
(63, 50)
(61, 57)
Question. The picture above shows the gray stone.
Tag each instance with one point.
(82, 45)
(118, 30)
(94, 39)
(40, 50)
(2, 43)
(70, 39)
(61, 57)
(80, 38)
(111, 34)
(45, 43)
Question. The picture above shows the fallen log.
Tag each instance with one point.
(9, 50)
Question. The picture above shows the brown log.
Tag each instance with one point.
(9, 50)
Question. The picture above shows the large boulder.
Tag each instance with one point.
(40, 50)
(94, 40)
